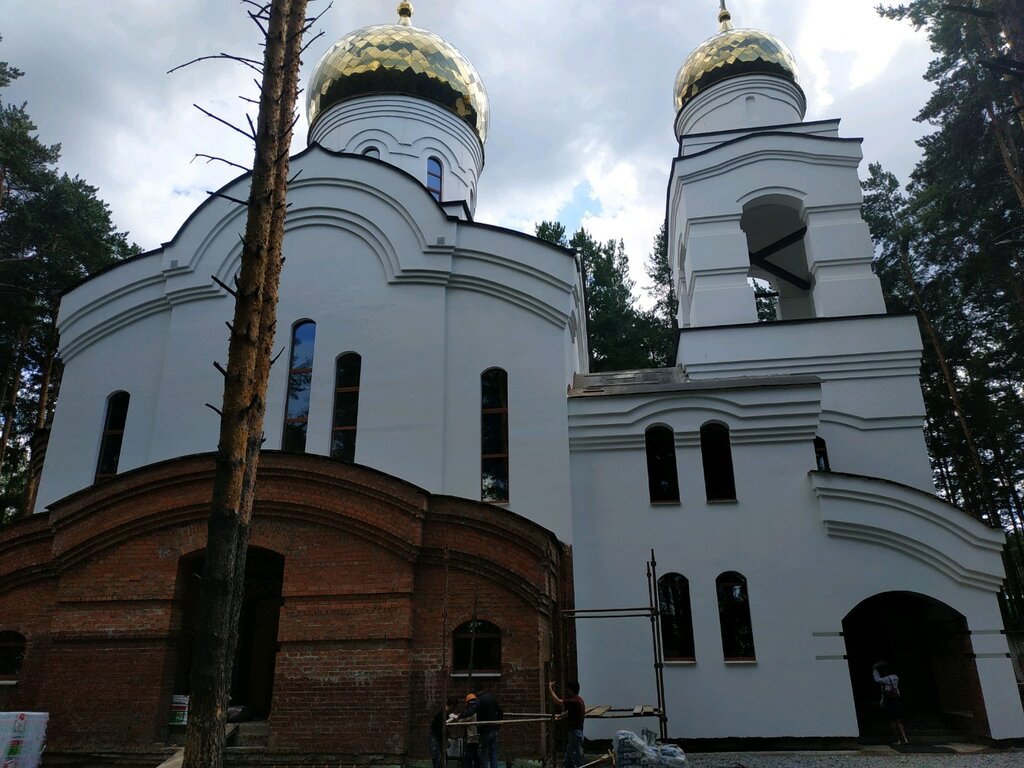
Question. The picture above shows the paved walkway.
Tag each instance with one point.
(967, 756)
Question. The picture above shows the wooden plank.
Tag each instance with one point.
(637, 710)
(598, 711)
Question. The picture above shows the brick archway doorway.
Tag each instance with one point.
(928, 645)
(252, 679)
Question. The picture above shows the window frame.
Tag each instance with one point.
(731, 580)
(339, 390)
(17, 644)
(682, 584)
(293, 371)
(493, 633)
(821, 460)
(436, 190)
(716, 460)
(661, 432)
(501, 455)
(111, 433)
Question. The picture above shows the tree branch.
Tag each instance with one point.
(228, 197)
(225, 286)
(211, 158)
(249, 136)
(254, 65)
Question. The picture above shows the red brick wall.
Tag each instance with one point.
(94, 586)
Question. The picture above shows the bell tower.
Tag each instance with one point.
(756, 192)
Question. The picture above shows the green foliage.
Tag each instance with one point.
(621, 336)
(666, 304)
(951, 248)
(54, 232)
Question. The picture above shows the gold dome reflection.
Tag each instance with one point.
(730, 53)
(399, 59)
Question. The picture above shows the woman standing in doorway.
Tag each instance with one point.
(891, 703)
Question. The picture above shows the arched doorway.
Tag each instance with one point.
(252, 678)
(928, 645)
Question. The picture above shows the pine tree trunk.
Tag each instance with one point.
(244, 395)
(947, 376)
(42, 408)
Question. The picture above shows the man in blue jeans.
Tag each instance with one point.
(575, 711)
(488, 710)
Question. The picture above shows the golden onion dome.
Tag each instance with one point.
(398, 59)
(730, 53)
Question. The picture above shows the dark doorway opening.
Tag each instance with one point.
(928, 645)
(252, 678)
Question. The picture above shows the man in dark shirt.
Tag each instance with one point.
(575, 711)
(488, 709)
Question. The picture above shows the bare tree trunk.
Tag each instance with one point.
(244, 395)
(947, 376)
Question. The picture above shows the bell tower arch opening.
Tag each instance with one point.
(775, 232)
(928, 645)
(252, 676)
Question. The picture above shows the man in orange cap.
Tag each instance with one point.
(471, 750)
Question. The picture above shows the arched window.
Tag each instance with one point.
(821, 455)
(476, 647)
(662, 479)
(12, 654)
(716, 453)
(494, 435)
(676, 618)
(300, 378)
(435, 177)
(372, 152)
(346, 407)
(734, 617)
(113, 434)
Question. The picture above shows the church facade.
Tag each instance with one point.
(445, 481)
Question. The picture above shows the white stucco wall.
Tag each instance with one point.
(427, 301)
(802, 577)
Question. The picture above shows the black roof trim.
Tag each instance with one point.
(334, 153)
(799, 321)
(497, 228)
(738, 139)
(761, 128)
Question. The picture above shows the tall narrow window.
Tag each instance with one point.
(821, 455)
(300, 378)
(662, 479)
(12, 654)
(676, 618)
(716, 452)
(435, 177)
(734, 617)
(494, 435)
(113, 434)
(346, 407)
(476, 647)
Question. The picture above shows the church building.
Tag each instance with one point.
(447, 492)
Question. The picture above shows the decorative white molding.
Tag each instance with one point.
(910, 521)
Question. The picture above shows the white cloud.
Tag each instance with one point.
(581, 95)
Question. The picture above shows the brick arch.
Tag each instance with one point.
(369, 561)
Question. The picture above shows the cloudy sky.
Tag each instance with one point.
(580, 92)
